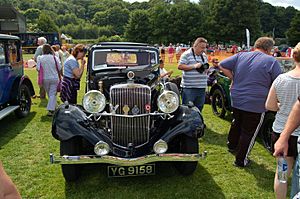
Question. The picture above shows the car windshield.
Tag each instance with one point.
(123, 58)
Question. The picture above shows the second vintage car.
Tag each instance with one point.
(128, 119)
(16, 88)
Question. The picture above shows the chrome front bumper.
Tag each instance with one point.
(93, 159)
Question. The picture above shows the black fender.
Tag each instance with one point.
(16, 87)
(188, 120)
(218, 87)
(25, 80)
(70, 121)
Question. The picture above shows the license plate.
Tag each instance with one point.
(122, 171)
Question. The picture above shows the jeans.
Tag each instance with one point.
(195, 95)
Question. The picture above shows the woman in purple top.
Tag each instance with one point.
(252, 74)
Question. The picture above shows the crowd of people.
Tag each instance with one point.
(258, 86)
(59, 70)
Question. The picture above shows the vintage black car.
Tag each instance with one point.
(16, 88)
(128, 119)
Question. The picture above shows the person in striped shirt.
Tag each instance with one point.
(193, 82)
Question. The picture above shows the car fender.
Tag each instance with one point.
(188, 120)
(70, 121)
(17, 82)
(25, 80)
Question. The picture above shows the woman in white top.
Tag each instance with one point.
(282, 96)
(51, 67)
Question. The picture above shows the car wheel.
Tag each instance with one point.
(187, 145)
(266, 131)
(218, 103)
(71, 172)
(24, 101)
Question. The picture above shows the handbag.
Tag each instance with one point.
(40, 76)
(59, 85)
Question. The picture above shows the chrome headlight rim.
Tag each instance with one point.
(101, 148)
(160, 147)
(101, 100)
(164, 94)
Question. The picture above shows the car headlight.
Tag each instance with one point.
(101, 148)
(94, 101)
(168, 102)
(160, 147)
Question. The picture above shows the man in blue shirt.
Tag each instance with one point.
(252, 74)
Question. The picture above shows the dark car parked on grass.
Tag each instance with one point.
(219, 95)
(129, 119)
(15, 88)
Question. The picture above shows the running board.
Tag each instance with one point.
(7, 111)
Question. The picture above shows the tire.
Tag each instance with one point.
(24, 101)
(266, 131)
(71, 172)
(187, 145)
(218, 103)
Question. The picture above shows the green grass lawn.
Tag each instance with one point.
(25, 145)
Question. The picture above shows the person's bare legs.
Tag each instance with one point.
(280, 189)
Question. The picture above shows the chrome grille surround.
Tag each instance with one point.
(134, 129)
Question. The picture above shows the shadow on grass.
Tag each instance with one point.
(259, 171)
(11, 126)
(214, 138)
(262, 175)
(167, 183)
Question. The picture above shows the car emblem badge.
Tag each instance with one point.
(113, 108)
(130, 75)
(148, 107)
(126, 109)
(135, 110)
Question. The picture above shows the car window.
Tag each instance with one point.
(14, 55)
(125, 58)
(2, 54)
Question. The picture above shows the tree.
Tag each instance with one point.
(267, 18)
(138, 28)
(63, 20)
(32, 14)
(46, 24)
(230, 18)
(293, 32)
(116, 16)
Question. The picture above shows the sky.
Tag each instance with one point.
(284, 3)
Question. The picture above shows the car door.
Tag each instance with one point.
(10, 67)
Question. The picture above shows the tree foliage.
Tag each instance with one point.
(138, 27)
(158, 21)
(46, 24)
(293, 32)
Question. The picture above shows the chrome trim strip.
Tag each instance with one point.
(92, 159)
(140, 115)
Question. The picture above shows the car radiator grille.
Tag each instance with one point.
(131, 100)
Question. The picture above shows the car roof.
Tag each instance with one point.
(4, 36)
(122, 44)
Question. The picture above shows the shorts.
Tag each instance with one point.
(292, 151)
